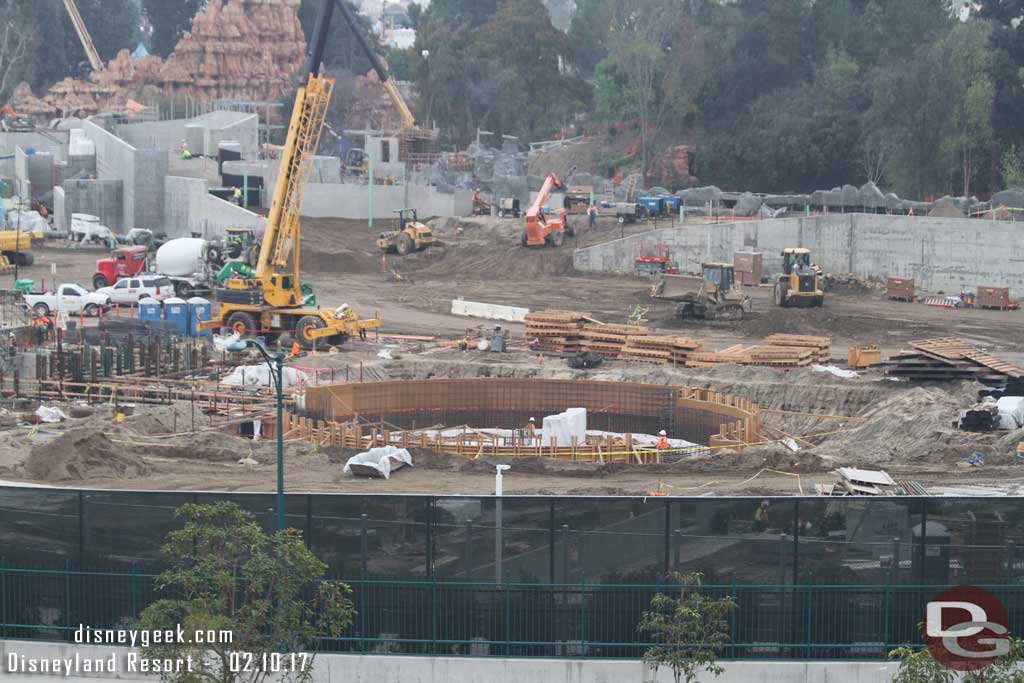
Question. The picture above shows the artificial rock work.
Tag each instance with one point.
(237, 49)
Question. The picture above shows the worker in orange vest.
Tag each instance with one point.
(296, 347)
(529, 431)
(662, 444)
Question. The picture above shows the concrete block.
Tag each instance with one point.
(189, 210)
(476, 309)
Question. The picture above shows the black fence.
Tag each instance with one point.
(555, 540)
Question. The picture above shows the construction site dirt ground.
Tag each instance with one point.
(905, 428)
(481, 259)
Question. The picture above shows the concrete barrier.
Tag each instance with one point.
(475, 309)
(380, 668)
(939, 253)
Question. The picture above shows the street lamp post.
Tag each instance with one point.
(276, 365)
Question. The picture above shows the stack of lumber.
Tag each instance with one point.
(659, 350)
(776, 351)
(609, 340)
(556, 330)
(821, 346)
(949, 358)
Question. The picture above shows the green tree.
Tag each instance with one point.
(1012, 167)
(113, 25)
(229, 575)
(509, 75)
(170, 20)
(658, 54)
(342, 50)
(472, 12)
(693, 629)
(918, 666)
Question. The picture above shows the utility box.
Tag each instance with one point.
(994, 297)
(900, 288)
(176, 315)
(199, 310)
(749, 267)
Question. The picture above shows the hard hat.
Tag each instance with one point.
(532, 420)
(662, 433)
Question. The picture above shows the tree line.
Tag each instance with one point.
(788, 95)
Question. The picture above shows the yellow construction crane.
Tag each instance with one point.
(270, 303)
(83, 35)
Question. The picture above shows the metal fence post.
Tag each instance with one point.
(565, 553)
(364, 519)
(468, 551)
(433, 614)
(3, 597)
(809, 625)
(135, 604)
(583, 612)
(67, 596)
(508, 619)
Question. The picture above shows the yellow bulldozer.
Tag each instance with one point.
(801, 283)
(714, 295)
(411, 235)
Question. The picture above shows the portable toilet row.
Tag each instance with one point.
(182, 316)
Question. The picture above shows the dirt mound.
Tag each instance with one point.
(916, 426)
(84, 453)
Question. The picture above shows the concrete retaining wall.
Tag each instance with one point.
(380, 668)
(190, 210)
(100, 198)
(142, 172)
(204, 133)
(332, 200)
(941, 254)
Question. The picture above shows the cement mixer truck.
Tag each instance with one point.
(191, 264)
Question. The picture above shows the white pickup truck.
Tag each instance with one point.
(70, 298)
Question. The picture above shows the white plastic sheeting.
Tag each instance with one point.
(833, 370)
(378, 462)
(27, 221)
(260, 376)
(221, 342)
(1011, 412)
(50, 414)
(565, 426)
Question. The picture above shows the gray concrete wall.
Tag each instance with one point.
(55, 142)
(332, 200)
(941, 254)
(142, 172)
(22, 185)
(40, 174)
(207, 132)
(190, 209)
(102, 198)
(378, 668)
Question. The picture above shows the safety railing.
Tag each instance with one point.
(508, 619)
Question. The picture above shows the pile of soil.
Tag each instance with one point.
(84, 453)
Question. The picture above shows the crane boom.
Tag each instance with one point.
(408, 120)
(83, 35)
(550, 183)
(278, 265)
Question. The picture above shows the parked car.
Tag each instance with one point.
(70, 298)
(128, 291)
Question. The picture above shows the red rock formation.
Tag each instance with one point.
(237, 49)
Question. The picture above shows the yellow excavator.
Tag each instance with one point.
(270, 302)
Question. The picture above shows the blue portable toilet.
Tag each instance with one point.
(176, 315)
(655, 205)
(149, 309)
(199, 310)
(671, 203)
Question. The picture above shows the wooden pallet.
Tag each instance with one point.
(946, 348)
(624, 330)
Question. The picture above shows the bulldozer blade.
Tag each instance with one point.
(677, 287)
